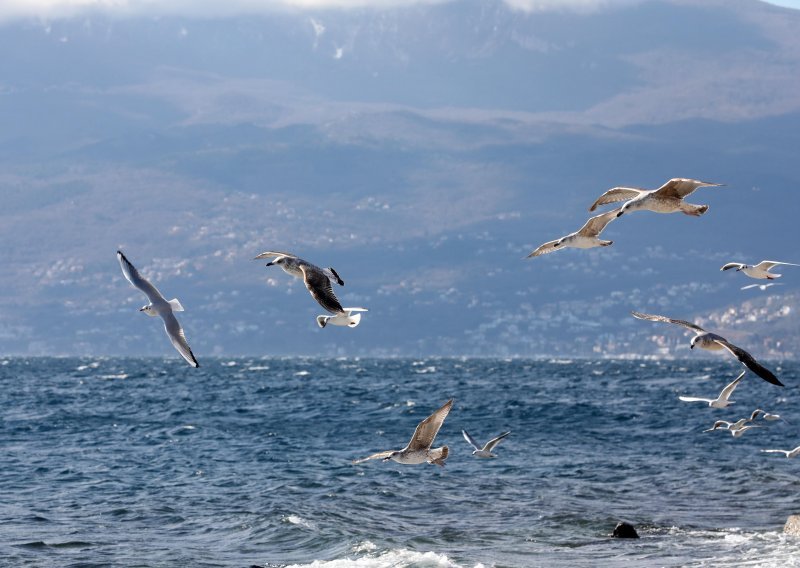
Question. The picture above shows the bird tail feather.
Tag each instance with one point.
(438, 456)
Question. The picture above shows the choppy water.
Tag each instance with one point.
(147, 462)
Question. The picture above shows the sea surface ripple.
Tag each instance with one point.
(247, 461)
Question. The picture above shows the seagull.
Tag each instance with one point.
(714, 342)
(583, 238)
(723, 399)
(350, 318)
(485, 451)
(419, 449)
(765, 415)
(761, 287)
(760, 270)
(666, 199)
(788, 453)
(158, 306)
(317, 280)
(735, 428)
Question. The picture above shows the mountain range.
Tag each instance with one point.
(422, 150)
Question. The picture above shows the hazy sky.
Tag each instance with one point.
(12, 9)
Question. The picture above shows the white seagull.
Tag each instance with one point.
(318, 282)
(583, 238)
(486, 450)
(760, 270)
(788, 453)
(158, 306)
(735, 428)
(723, 399)
(666, 199)
(765, 416)
(761, 287)
(419, 449)
(714, 342)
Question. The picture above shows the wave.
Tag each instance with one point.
(399, 558)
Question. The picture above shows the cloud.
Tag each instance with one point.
(59, 9)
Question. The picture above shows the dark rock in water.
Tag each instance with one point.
(792, 525)
(624, 530)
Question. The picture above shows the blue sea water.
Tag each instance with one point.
(148, 462)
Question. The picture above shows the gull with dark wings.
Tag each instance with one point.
(713, 342)
(585, 237)
(419, 449)
(318, 281)
(666, 199)
(158, 306)
(484, 451)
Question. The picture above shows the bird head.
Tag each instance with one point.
(148, 309)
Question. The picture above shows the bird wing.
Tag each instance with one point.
(719, 424)
(595, 225)
(494, 441)
(785, 452)
(320, 287)
(694, 399)
(681, 187)
(617, 194)
(378, 456)
(665, 319)
(137, 280)
(426, 430)
(546, 248)
(767, 264)
(732, 265)
(178, 339)
(470, 440)
(748, 361)
(729, 388)
(273, 254)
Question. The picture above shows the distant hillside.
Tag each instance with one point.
(421, 151)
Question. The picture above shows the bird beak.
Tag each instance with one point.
(269, 263)
(619, 214)
(691, 347)
(141, 309)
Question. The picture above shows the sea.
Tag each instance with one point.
(244, 462)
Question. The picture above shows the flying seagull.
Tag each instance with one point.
(317, 280)
(666, 199)
(714, 342)
(760, 270)
(486, 450)
(419, 449)
(735, 428)
(158, 306)
(723, 399)
(788, 453)
(583, 238)
(761, 287)
(765, 415)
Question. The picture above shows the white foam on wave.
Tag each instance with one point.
(258, 368)
(400, 558)
(299, 521)
(301, 373)
(117, 376)
(742, 548)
